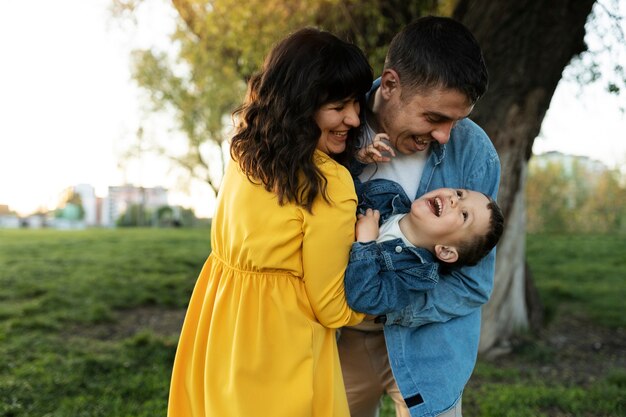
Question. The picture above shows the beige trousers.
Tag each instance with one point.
(367, 374)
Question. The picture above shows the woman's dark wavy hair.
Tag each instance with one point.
(276, 134)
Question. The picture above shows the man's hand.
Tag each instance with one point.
(374, 151)
(367, 226)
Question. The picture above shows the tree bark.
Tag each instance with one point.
(526, 44)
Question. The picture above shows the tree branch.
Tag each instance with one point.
(193, 15)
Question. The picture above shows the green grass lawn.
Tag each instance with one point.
(581, 273)
(55, 286)
(69, 345)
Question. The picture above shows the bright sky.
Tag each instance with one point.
(68, 108)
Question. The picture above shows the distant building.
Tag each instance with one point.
(8, 219)
(91, 211)
(90, 203)
(568, 161)
(122, 197)
(34, 221)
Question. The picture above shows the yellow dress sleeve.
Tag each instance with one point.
(328, 236)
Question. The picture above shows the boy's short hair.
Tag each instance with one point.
(472, 250)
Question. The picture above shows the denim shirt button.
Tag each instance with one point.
(398, 249)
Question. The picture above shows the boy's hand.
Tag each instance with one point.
(367, 226)
(374, 151)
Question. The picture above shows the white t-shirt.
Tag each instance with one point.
(391, 230)
(406, 170)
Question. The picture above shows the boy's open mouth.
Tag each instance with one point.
(436, 205)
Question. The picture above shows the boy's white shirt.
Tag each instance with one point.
(391, 230)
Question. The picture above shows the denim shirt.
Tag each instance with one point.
(433, 341)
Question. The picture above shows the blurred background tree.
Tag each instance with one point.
(70, 206)
(526, 43)
(220, 43)
(574, 195)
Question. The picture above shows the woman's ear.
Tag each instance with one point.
(447, 254)
(389, 83)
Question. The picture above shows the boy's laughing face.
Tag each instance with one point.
(449, 216)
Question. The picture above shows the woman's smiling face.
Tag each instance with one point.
(335, 119)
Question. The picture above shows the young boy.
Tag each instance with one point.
(443, 228)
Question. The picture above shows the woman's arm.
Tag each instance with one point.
(328, 233)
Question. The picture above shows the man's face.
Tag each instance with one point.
(414, 120)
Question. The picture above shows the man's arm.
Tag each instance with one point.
(458, 293)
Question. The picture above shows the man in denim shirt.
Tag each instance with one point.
(434, 74)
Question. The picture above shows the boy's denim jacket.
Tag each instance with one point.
(383, 276)
(432, 336)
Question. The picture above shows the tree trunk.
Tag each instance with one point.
(527, 44)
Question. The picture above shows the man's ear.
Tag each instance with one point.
(447, 254)
(389, 83)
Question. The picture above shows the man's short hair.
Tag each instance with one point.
(436, 52)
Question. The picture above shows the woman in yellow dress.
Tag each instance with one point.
(259, 335)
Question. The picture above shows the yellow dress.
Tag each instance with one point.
(259, 334)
